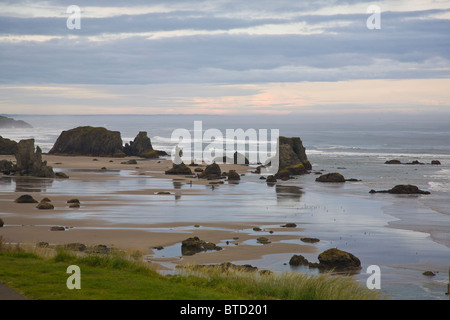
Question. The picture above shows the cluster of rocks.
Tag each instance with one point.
(99, 141)
(415, 162)
(402, 189)
(331, 259)
(28, 162)
(194, 245)
(45, 203)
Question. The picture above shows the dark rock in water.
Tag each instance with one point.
(233, 175)
(179, 169)
(402, 189)
(435, 162)
(45, 205)
(88, 141)
(263, 240)
(140, 145)
(29, 162)
(338, 260)
(9, 123)
(331, 177)
(7, 146)
(310, 240)
(289, 225)
(393, 162)
(415, 162)
(73, 201)
(61, 175)
(429, 273)
(298, 260)
(2, 223)
(352, 180)
(211, 171)
(194, 245)
(271, 179)
(26, 198)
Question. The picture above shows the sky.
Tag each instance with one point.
(225, 57)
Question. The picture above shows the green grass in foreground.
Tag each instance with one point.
(108, 277)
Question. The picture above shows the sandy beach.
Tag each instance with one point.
(26, 224)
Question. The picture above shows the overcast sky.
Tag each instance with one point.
(224, 57)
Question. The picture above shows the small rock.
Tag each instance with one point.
(262, 240)
(298, 260)
(331, 177)
(45, 205)
(57, 229)
(2, 223)
(310, 240)
(26, 198)
(429, 273)
(435, 162)
(289, 225)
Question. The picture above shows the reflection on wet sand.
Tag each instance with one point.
(27, 184)
(286, 193)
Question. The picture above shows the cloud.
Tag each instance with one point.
(211, 44)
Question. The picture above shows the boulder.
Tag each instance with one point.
(7, 146)
(29, 162)
(179, 169)
(233, 175)
(2, 223)
(45, 205)
(88, 141)
(211, 171)
(338, 260)
(393, 162)
(298, 260)
(436, 162)
(61, 175)
(140, 145)
(331, 177)
(26, 198)
(310, 240)
(402, 189)
(271, 179)
(194, 245)
(57, 228)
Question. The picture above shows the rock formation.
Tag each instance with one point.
(140, 145)
(402, 189)
(88, 141)
(292, 159)
(211, 171)
(338, 260)
(7, 146)
(331, 177)
(29, 162)
(194, 245)
(179, 169)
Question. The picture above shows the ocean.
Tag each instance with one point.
(400, 234)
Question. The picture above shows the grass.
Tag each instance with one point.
(40, 275)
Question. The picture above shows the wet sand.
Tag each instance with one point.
(26, 224)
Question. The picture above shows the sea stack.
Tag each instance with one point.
(88, 141)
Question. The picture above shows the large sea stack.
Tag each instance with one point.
(292, 157)
(29, 162)
(140, 146)
(88, 141)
